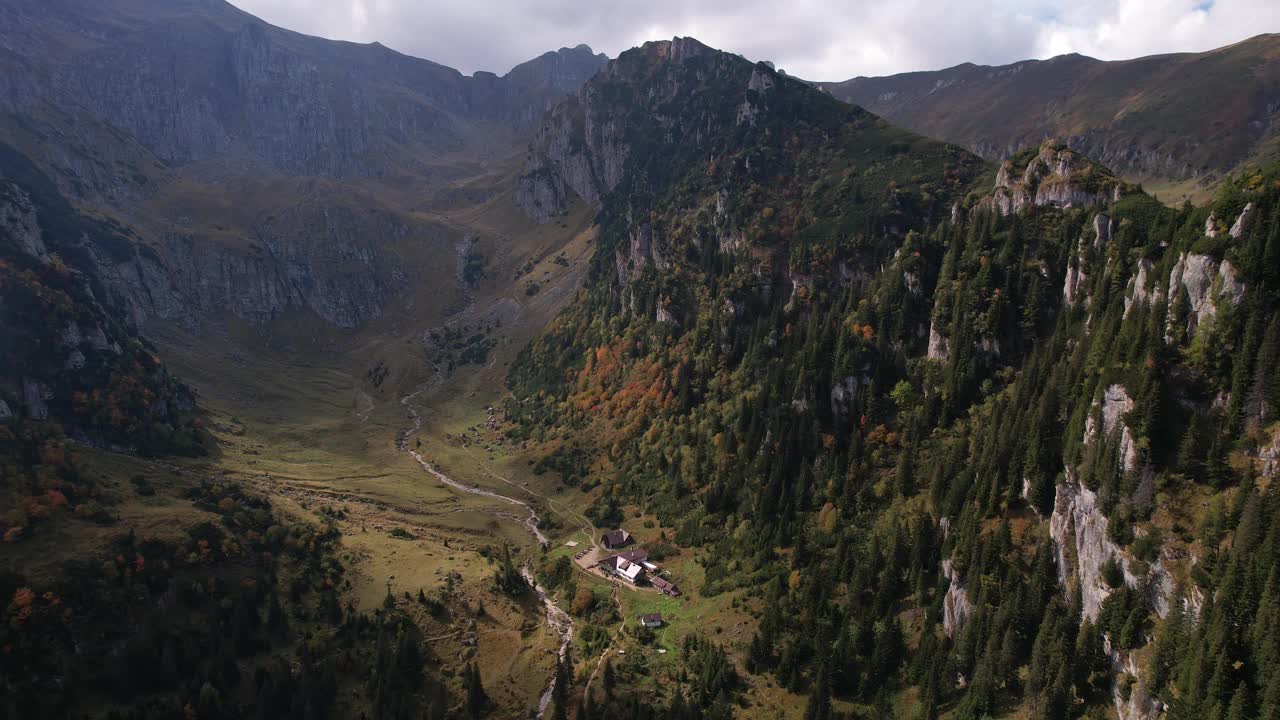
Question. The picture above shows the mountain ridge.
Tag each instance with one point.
(1171, 117)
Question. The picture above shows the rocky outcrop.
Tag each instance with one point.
(1211, 225)
(1242, 222)
(956, 607)
(1115, 404)
(1197, 284)
(18, 222)
(35, 399)
(1129, 691)
(844, 392)
(1102, 229)
(753, 103)
(584, 146)
(1073, 284)
(1079, 531)
(1269, 456)
(1055, 176)
(939, 347)
(580, 151)
(1138, 293)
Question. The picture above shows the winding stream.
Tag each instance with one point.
(557, 619)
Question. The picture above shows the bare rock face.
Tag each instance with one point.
(334, 261)
(1211, 225)
(939, 347)
(844, 392)
(579, 151)
(586, 142)
(1139, 705)
(35, 399)
(18, 221)
(1242, 222)
(1138, 292)
(1102, 228)
(956, 606)
(1269, 456)
(1073, 284)
(1079, 531)
(1200, 282)
(1055, 176)
(1115, 404)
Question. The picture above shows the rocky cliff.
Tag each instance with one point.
(195, 81)
(65, 358)
(583, 147)
(160, 114)
(1055, 176)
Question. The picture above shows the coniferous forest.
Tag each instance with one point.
(912, 454)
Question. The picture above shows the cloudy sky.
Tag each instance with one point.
(815, 39)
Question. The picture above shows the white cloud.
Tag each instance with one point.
(809, 38)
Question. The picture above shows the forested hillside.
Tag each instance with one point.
(964, 448)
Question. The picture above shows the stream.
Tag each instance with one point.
(557, 619)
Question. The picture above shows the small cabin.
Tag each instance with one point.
(616, 539)
(651, 620)
(668, 588)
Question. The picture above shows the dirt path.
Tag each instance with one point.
(530, 523)
(586, 691)
(573, 517)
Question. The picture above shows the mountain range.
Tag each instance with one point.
(324, 369)
(1161, 119)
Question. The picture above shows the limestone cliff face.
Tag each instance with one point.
(583, 148)
(1115, 403)
(193, 82)
(18, 222)
(1079, 531)
(1139, 703)
(1198, 284)
(1054, 176)
(1139, 291)
(124, 102)
(579, 151)
(335, 262)
(1075, 284)
(956, 606)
